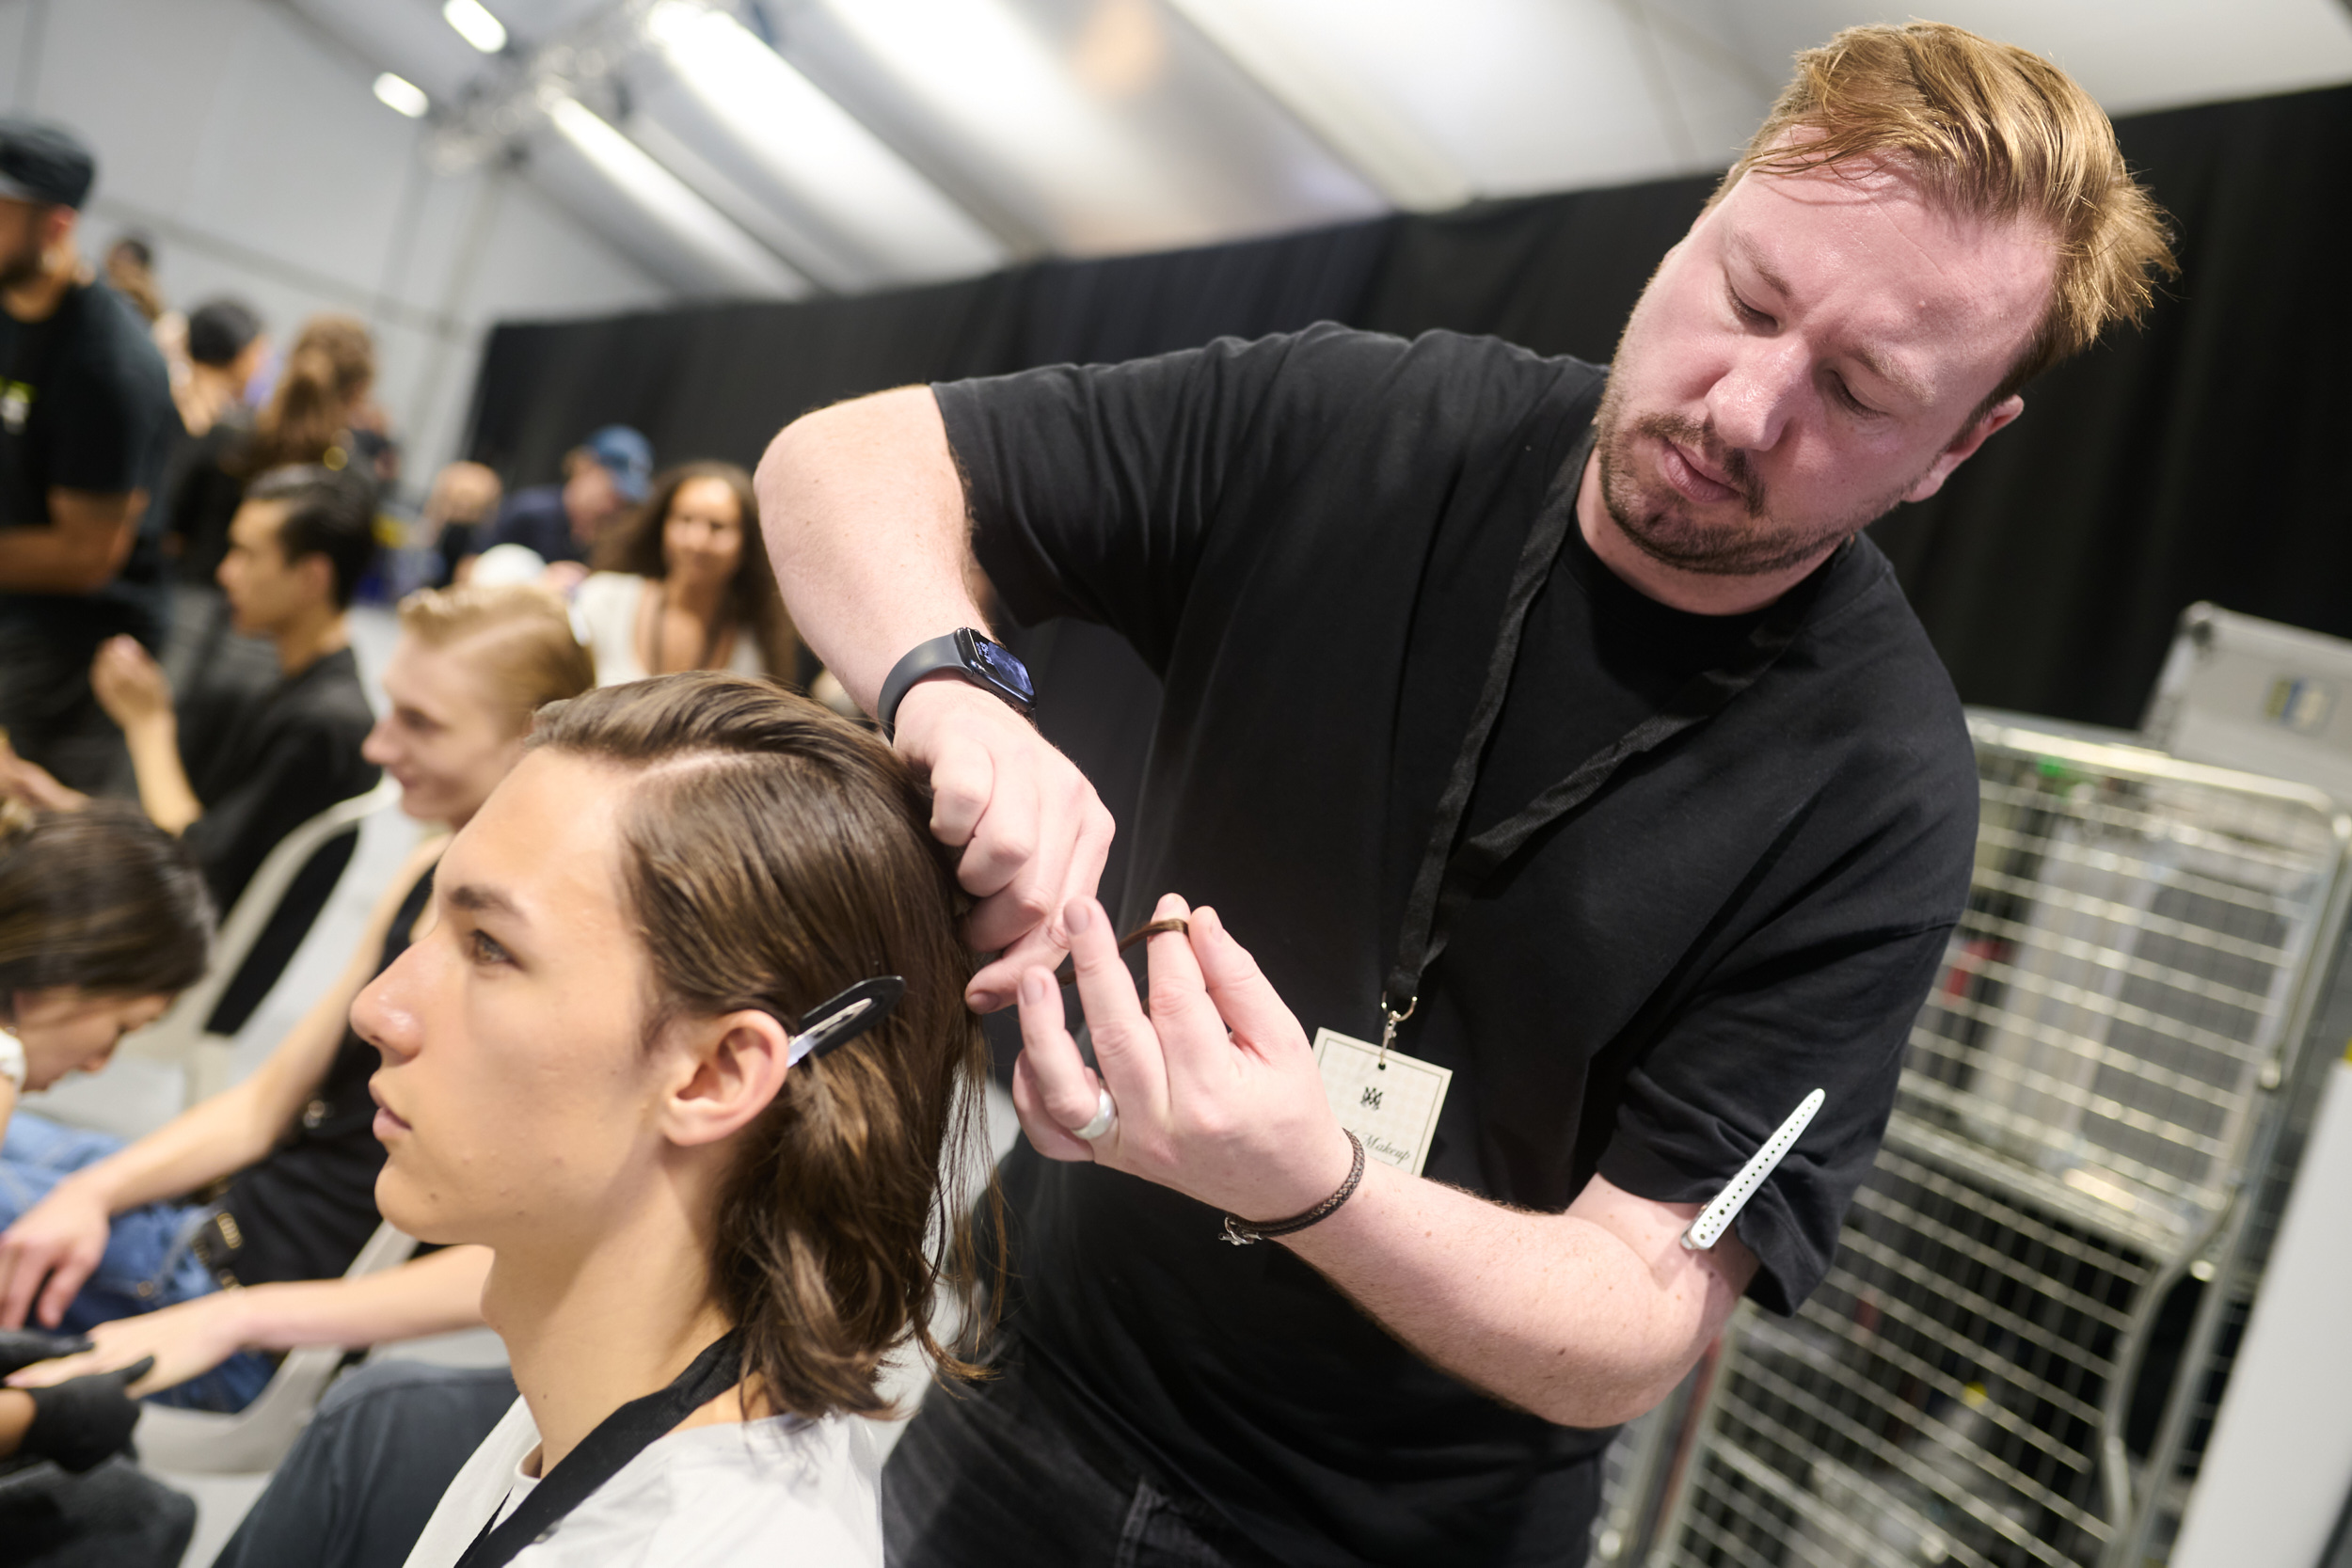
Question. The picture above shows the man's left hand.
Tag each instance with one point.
(129, 684)
(1217, 1092)
(35, 785)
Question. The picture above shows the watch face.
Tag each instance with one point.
(1002, 668)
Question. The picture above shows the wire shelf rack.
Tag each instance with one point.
(2016, 1353)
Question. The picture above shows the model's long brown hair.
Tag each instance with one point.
(100, 899)
(308, 418)
(752, 604)
(772, 855)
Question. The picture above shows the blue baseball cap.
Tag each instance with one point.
(624, 454)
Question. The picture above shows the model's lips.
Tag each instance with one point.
(1687, 475)
(388, 1123)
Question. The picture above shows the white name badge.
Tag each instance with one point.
(1391, 1106)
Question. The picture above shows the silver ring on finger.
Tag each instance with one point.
(1105, 1117)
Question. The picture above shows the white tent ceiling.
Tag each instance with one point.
(775, 148)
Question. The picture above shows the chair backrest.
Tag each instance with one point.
(257, 1436)
(175, 1035)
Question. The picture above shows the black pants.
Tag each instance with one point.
(992, 1475)
(114, 1517)
(368, 1471)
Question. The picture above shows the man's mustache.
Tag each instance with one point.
(1730, 461)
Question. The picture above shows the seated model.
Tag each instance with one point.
(293, 1140)
(629, 1059)
(102, 919)
(682, 584)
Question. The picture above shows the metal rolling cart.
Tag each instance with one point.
(2016, 1357)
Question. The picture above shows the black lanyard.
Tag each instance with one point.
(618, 1438)
(1450, 875)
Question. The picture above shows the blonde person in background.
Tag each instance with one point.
(682, 584)
(258, 1270)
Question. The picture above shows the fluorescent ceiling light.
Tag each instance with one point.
(692, 222)
(475, 25)
(984, 70)
(398, 92)
(815, 150)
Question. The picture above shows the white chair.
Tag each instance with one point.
(257, 1437)
(179, 1036)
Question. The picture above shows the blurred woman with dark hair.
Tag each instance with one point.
(649, 1054)
(683, 584)
(103, 917)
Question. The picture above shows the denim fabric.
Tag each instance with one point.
(146, 1262)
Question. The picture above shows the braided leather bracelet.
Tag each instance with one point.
(1241, 1232)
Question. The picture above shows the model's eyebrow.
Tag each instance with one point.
(1868, 358)
(476, 899)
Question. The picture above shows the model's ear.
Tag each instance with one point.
(1964, 446)
(730, 1068)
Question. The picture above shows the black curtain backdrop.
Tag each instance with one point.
(2195, 460)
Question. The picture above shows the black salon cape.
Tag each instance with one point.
(1308, 537)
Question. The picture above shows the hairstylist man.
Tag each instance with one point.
(1349, 556)
(86, 419)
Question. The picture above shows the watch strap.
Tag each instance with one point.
(946, 654)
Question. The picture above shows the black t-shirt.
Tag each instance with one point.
(305, 1210)
(86, 405)
(1308, 538)
(203, 486)
(262, 769)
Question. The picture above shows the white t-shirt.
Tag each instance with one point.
(604, 614)
(781, 1493)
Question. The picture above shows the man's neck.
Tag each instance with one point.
(591, 1328)
(37, 298)
(310, 637)
(1698, 592)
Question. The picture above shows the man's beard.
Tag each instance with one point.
(25, 266)
(1654, 520)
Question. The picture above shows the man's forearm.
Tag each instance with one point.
(435, 1294)
(863, 515)
(54, 561)
(1559, 1314)
(203, 1142)
(165, 793)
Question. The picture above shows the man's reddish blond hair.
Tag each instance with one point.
(1990, 131)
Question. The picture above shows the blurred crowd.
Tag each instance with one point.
(194, 505)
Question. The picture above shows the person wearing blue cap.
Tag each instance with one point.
(603, 477)
(86, 420)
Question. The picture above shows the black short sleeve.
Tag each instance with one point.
(1095, 489)
(1821, 995)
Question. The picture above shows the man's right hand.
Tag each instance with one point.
(1033, 832)
(57, 1240)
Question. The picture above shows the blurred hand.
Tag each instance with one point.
(1033, 832)
(35, 785)
(52, 1248)
(129, 684)
(175, 1343)
(80, 1423)
(1216, 1087)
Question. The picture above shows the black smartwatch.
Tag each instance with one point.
(964, 653)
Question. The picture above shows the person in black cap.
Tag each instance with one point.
(85, 418)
